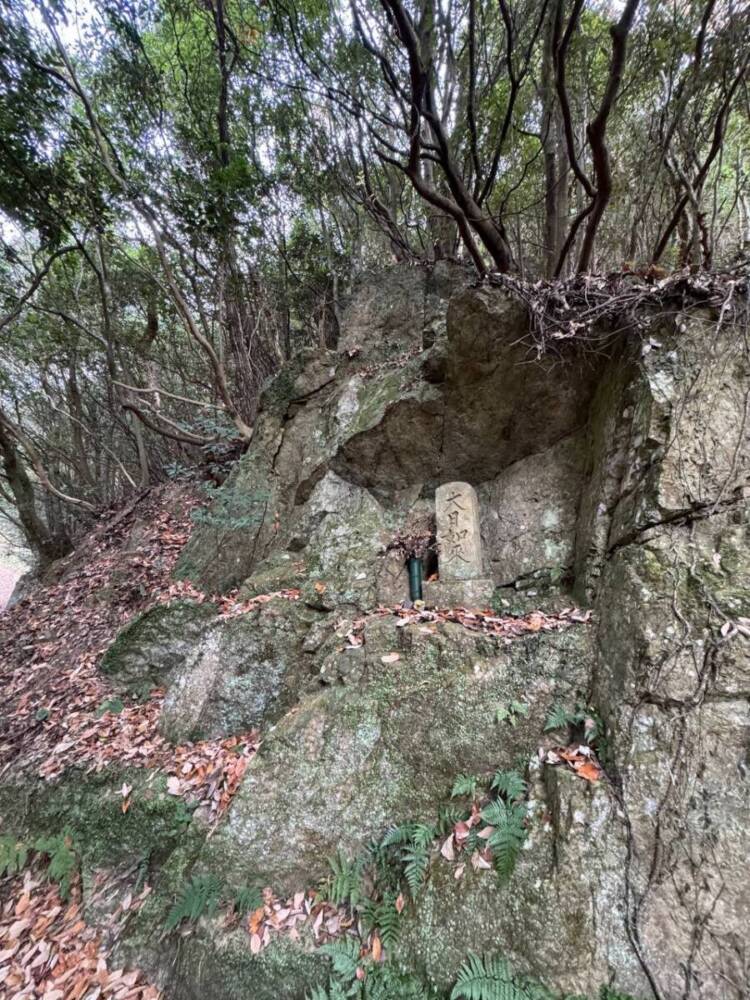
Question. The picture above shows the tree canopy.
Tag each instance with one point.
(189, 187)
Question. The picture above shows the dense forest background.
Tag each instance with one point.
(188, 189)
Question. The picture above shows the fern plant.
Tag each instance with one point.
(396, 836)
(449, 815)
(510, 784)
(62, 863)
(511, 712)
(416, 856)
(583, 717)
(198, 896)
(508, 837)
(344, 886)
(344, 955)
(491, 978)
(465, 784)
(13, 855)
(353, 977)
(382, 916)
(246, 899)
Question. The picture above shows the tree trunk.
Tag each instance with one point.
(555, 159)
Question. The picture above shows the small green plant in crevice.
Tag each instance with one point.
(491, 820)
(512, 712)
(383, 917)
(182, 816)
(201, 895)
(507, 815)
(412, 842)
(354, 975)
(344, 885)
(585, 722)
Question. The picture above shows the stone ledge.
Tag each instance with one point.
(476, 593)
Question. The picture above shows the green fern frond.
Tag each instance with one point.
(424, 834)
(449, 815)
(416, 860)
(509, 834)
(62, 862)
(13, 855)
(383, 917)
(383, 982)
(491, 978)
(344, 955)
(345, 885)
(465, 784)
(389, 923)
(396, 836)
(472, 841)
(510, 784)
(559, 718)
(318, 993)
(198, 896)
(246, 899)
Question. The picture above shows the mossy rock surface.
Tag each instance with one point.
(242, 673)
(153, 645)
(89, 805)
(351, 760)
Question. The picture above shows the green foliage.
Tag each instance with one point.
(491, 978)
(398, 835)
(344, 955)
(510, 783)
(62, 861)
(13, 855)
(509, 834)
(416, 856)
(450, 814)
(344, 886)
(416, 860)
(376, 981)
(464, 785)
(512, 712)
(383, 917)
(246, 899)
(559, 718)
(198, 896)
(583, 717)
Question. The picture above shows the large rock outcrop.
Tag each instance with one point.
(620, 480)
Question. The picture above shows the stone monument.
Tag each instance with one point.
(461, 581)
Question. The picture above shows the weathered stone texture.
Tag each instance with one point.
(626, 476)
(350, 761)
